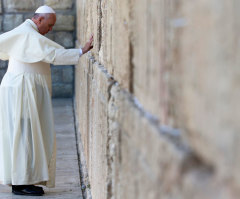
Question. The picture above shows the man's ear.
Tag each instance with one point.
(40, 19)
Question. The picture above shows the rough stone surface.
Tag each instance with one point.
(0, 6)
(62, 90)
(12, 21)
(176, 67)
(207, 89)
(62, 81)
(59, 4)
(56, 73)
(23, 5)
(64, 22)
(65, 39)
(1, 23)
(3, 64)
(67, 75)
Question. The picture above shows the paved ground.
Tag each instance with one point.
(67, 172)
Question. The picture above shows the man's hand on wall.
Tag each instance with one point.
(88, 46)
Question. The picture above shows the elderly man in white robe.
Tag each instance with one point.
(27, 135)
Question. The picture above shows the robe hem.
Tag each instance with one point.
(43, 182)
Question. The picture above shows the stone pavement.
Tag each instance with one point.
(67, 171)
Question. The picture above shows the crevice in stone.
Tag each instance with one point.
(99, 24)
(84, 181)
(131, 68)
(109, 142)
(193, 162)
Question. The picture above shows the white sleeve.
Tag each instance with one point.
(67, 56)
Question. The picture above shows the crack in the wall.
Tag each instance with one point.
(110, 141)
(83, 173)
(191, 160)
(131, 68)
(100, 16)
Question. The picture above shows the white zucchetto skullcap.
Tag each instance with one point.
(45, 10)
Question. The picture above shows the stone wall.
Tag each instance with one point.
(157, 100)
(14, 12)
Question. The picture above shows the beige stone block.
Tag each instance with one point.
(12, 21)
(23, 5)
(182, 66)
(59, 4)
(203, 88)
(147, 31)
(82, 92)
(64, 22)
(121, 48)
(65, 39)
(156, 164)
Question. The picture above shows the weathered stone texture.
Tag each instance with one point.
(62, 80)
(0, 6)
(23, 5)
(128, 154)
(60, 90)
(1, 23)
(64, 22)
(12, 21)
(65, 39)
(203, 85)
(59, 4)
(177, 65)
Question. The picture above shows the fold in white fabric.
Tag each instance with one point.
(27, 135)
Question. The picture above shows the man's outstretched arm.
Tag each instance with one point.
(71, 56)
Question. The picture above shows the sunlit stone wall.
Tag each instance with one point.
(157, 100)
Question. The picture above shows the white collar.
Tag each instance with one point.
(33, 24)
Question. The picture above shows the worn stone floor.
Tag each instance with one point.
(67, 170)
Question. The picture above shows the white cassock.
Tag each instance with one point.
(27, 135)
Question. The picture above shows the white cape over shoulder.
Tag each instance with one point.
(27, 135)
(25, 44)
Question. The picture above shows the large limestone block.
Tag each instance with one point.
(82, 91)
(64, 22)
(98, 129)
(147, 161)
(56, 74)
(204, 83)
(68, 74)
(120, 42)
(62, 90)
(59, 4)
(23, 5)
(65, 39)
(147, 33)
(12, 21)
